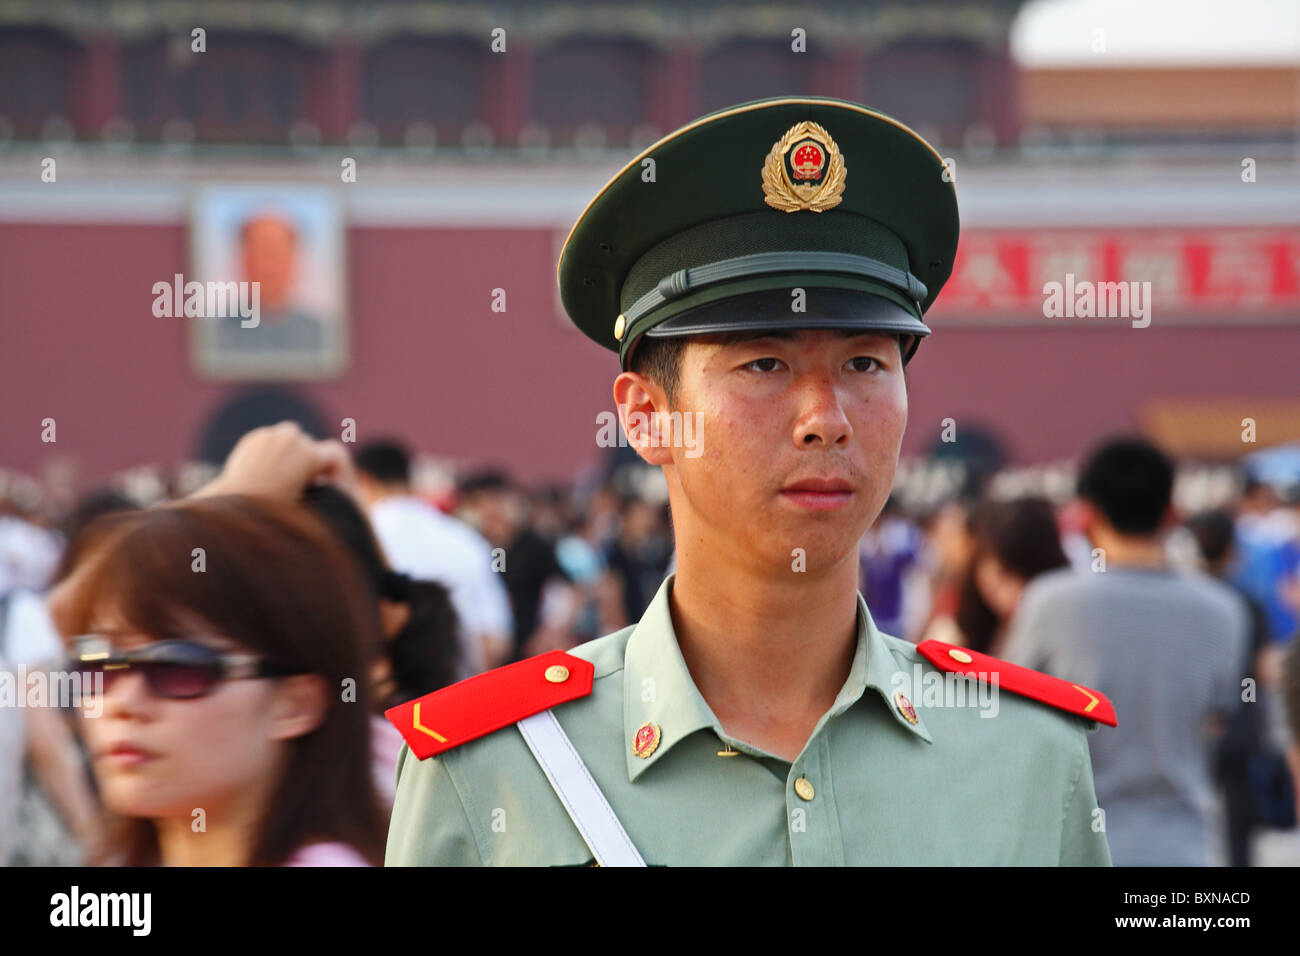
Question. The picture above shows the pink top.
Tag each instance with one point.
(326, 854)
(385, 747)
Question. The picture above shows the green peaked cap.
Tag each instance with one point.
(796, 191)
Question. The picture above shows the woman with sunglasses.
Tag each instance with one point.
(232, 635)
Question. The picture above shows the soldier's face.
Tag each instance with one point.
(798, 439)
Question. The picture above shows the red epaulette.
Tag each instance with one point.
(479, 705)
(1074, 698)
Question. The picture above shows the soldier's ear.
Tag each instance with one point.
(641, 402)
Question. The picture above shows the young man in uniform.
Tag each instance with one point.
(762, 274)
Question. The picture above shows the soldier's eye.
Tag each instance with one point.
(864, 363)
(763, 364)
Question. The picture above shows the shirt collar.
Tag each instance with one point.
(658, 689)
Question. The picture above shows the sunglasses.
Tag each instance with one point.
(176, 669)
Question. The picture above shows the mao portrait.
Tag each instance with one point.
(265, 298)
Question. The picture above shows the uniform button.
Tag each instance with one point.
(960, 657)
(556, 673)
(804, 789)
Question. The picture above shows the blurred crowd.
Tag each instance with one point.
(1187, 622)
(244, 638)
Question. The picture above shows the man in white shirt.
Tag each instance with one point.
(13, 751)
(421, 541)
(28, 555)
(40, 737)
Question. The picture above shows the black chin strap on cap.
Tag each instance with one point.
(910, 349)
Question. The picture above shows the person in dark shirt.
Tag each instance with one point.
(532, 573)
(1243, 742)
(888, 553)
(1290, 683)
(638, 556)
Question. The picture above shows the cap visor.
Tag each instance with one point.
(826, 309)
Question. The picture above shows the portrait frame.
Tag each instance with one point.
(291, 240)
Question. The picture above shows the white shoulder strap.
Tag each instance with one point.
(573, 784)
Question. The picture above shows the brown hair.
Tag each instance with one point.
(278, 583)
(1022, 535)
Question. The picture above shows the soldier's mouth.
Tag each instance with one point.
(819, 494)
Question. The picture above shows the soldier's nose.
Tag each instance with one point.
(822, 420)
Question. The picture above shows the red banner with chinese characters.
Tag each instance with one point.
(1205, 275)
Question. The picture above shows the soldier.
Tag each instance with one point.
(764, 271)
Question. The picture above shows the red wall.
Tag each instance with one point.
(1053, 392)
(432, 362)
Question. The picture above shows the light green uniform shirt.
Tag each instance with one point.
(1009, 782)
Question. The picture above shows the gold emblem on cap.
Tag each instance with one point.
(905, 707)
(620, 326)
(804, 789)
(816, 157)
(960, 657)
(557, 674)
(646, 740)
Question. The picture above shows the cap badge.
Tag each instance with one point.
(646, 740)
(804, 170)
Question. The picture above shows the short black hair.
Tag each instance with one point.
(1131, 482)
(660, 360)
(386, 461)
(486, 479)
(1213, 531)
